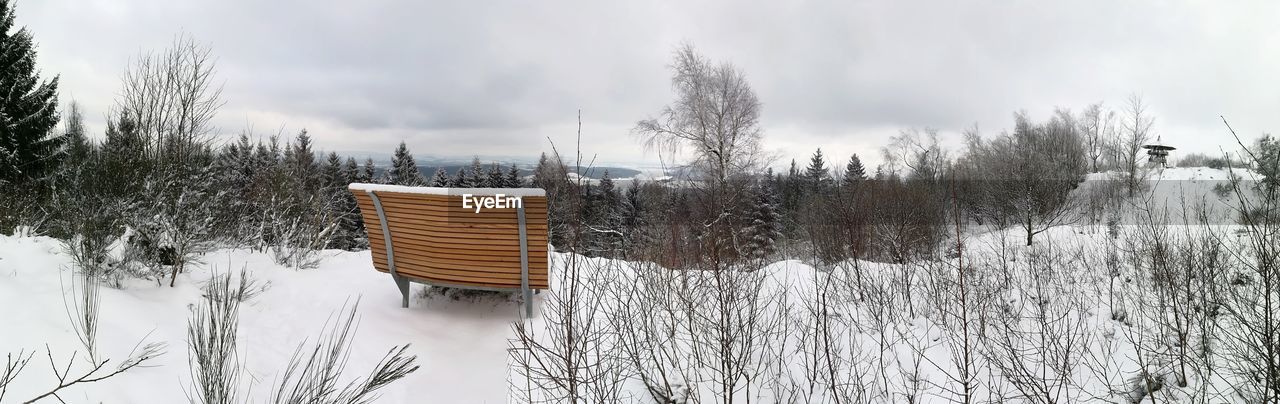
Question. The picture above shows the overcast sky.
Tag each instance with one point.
(500, 77)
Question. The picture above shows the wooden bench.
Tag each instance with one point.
(471, 238)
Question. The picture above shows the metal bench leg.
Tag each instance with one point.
(524, 264)
(401, 282)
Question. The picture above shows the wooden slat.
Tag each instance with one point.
(470, 272)
(415, 264)
(456, 206)
(428, 210)
(447, 199)
(461, 221)
(433, 234)
(476, 260)
(463, 256)
(536, 210)
(462, 231)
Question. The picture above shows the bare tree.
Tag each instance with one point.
(172, 97)
(716, 116)
(1097, 125)
(715, 119)
(1028, 175)
(98, 370)
(1136, 132)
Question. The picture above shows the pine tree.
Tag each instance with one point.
(333, 177)
(793, 187)
(367, 172)
(77, 141)
(816, 173)
(633, 216)
(352, 223)
(352, 170)
(605, 215)
(404, 170)
(496, 179)
(765, 225)
(854, 172)
(29, 148)
(475, 177)
(513, 177)
(542, 176)
(440, 178)
(460, 179)
(300, 165)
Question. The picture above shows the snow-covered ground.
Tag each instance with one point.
(461, 344)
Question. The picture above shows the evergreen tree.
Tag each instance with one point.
(605, 215)
(460, 179)
(367, 172)
(542, 175)
(332, 175)
(496, 179)
(854, 172)
(29, 148)
(1266, 153)
(440, 178)
(633, 221)
(404, 170)
(764, 227)
(513, 177)
(475, 177)
(352, 170)
(77, 141)
(816, 173)
(301, 166)
(352, 224)
(792, 188)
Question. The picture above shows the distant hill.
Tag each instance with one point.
(525, 170)
(593, 172)
(614, 172)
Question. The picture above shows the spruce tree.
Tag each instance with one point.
(816, 173)
(460, 179)
(496, 179)
(301, 167)
(367, 172)
(542, 173)
(440, 178)
(404, 170)
(633, 216)
(352, 170)
(605, 215)
(854, 172)
(77, 140)
(764, 228)
(29, 148)
(475, 177)
(332, 174)
(513, 177)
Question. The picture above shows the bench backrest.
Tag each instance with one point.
(438, 237)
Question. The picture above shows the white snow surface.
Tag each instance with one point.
(446, 191)
(461, 345)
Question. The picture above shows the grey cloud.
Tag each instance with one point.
(499, 77)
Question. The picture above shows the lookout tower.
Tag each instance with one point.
(1157, 154)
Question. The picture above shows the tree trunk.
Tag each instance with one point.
(173, 277)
